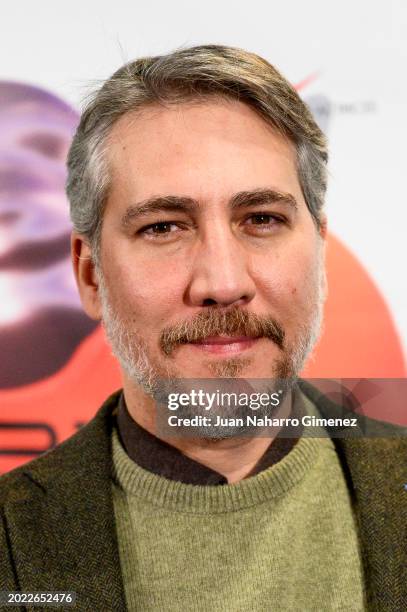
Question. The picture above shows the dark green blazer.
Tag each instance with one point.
(57, 529)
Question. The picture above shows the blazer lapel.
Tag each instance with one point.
(62, 531)
(376, 471)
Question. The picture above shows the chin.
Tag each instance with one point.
(236, 367)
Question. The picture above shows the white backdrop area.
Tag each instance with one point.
(353, 53)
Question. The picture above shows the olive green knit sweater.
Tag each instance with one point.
(282, 540)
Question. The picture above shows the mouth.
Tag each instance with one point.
(225, 345)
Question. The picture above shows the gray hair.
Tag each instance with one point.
(189, 74)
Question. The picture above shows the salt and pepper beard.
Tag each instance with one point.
(132, 352)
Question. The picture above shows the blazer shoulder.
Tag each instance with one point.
(376, 451)
(367, 426)
(86, 445)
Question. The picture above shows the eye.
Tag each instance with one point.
(159, 229)
(260, 219)
(263, 221)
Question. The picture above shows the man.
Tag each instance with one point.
(196, 183)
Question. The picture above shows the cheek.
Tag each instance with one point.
(288, 282)
(305, 289)
(146, 292)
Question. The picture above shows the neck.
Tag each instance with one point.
(234, 458)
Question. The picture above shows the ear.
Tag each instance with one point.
(86, 276)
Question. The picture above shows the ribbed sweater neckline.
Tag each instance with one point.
(194, 499)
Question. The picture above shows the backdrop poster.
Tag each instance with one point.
(55, 367)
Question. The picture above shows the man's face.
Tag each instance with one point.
(211, 263)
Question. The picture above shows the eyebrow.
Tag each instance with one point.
(158, 204)
(243, 199)
(258, 197)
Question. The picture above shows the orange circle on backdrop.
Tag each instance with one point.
(359, 341)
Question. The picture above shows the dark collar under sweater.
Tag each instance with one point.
(155, 455)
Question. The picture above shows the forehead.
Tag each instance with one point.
(203, 149)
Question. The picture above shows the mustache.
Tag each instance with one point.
(216, 322)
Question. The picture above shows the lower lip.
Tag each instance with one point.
(225, 346)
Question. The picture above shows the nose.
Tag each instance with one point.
(220, 273)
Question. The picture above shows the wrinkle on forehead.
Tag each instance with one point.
(149, 113)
